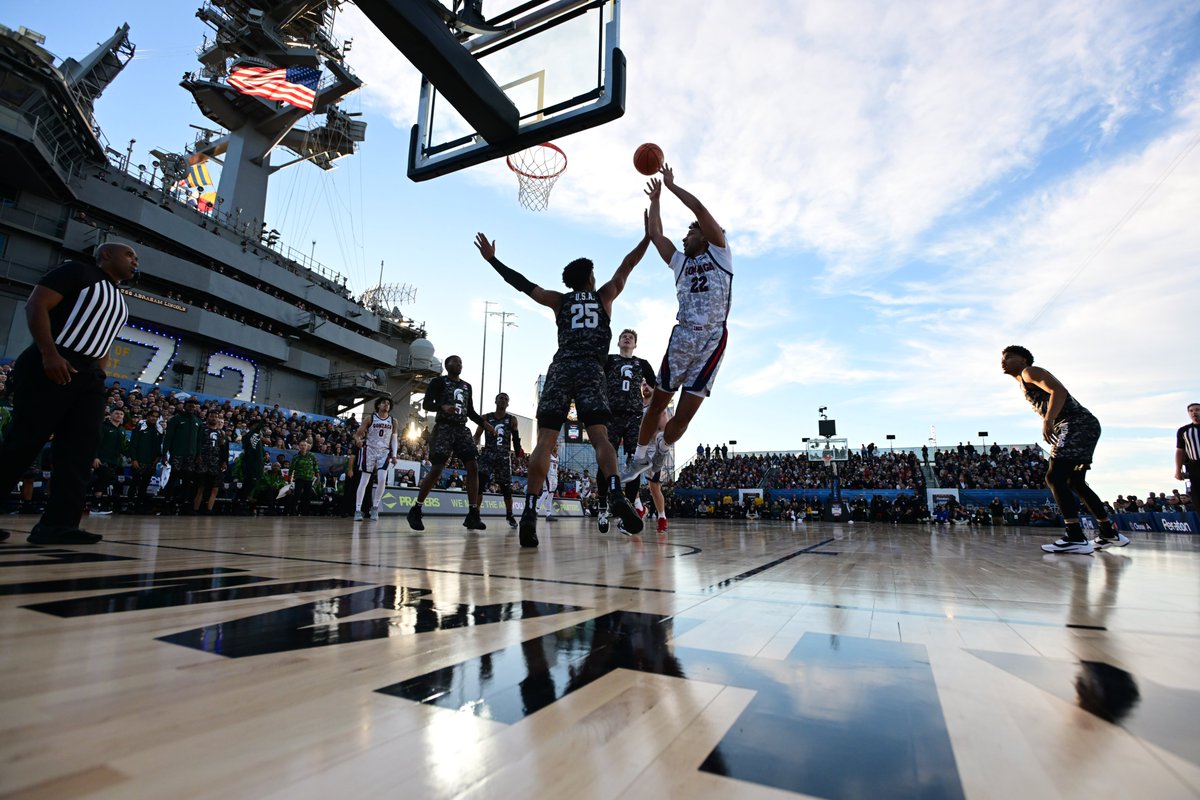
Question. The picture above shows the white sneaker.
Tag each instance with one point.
(1066, 546)
(358, 515)
(636, 468)
(1100, 542)
(375, 514)
(602, 521)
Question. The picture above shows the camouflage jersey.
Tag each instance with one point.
(1039, 398)
(506, 437)
(624, 377)
(446, 391)
(583, 327)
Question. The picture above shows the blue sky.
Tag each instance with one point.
(907, 189)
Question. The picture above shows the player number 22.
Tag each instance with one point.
(585, 315)
(699, 283)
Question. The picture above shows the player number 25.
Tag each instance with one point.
(585, 315)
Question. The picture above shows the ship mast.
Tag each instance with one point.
(271, 35)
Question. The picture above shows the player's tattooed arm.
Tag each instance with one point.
(1058, 396)
(666, 250)
(546, 297)
(712, 231)
(609, 291)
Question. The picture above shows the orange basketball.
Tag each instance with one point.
(648, 158)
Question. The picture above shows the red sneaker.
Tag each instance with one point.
(641, 511)
(662, 524)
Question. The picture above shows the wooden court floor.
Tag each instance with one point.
(220, 657)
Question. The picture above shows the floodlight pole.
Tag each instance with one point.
(483, 361)
(504, 323)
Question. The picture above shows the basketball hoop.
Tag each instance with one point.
(827, 458)
(537, 170)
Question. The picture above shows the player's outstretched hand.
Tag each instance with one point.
(486, 249)
(668, 175)
(653, 189)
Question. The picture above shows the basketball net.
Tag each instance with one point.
(827, 459)
(537, 170)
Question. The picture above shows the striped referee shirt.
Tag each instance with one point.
(91, 312)
(1188, 440)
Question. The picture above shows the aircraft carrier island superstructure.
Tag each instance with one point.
(221, 305)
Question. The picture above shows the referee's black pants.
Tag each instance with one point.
(72, 414)
(1192, 470)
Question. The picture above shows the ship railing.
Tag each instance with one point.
(53, 227)
(67, 161)
(251, 231)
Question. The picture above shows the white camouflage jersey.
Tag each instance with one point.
(379, 434)
(704, 287)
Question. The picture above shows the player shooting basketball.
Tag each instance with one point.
(703, 286)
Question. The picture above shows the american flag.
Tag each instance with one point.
(294, 85)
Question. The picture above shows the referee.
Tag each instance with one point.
(74, 314)
(1187, 454)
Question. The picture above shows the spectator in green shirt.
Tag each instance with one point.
(145, 449)
(304, 473)
(181, 444)
(108, 463)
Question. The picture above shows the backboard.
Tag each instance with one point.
(828, 450)
(500, 76)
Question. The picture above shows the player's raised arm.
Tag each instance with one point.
(664, 246)
(546, 297)
(609, 291)
(712, 232)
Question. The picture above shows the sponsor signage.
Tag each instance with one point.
(398, 500)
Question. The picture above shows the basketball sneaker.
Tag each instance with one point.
(1101, 542)
(528, 534)
(635, 468)
(42, 535)
(512, 521)
(1083, 547)
(473, 522)
(414, 519)
(662, 524)
(602, 522)
(375, 514)
(659, 458)
(619, 506)
(640, 507)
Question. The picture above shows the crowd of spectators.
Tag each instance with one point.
(331, 440)
(868, 470)
(965, 467)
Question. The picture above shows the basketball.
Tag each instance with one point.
(648, 158)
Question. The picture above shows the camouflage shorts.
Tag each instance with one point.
(579, 379)
(1075, 439)
(623, 432)
(495, 466)
(451, 440)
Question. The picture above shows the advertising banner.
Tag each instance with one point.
(397, 500)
